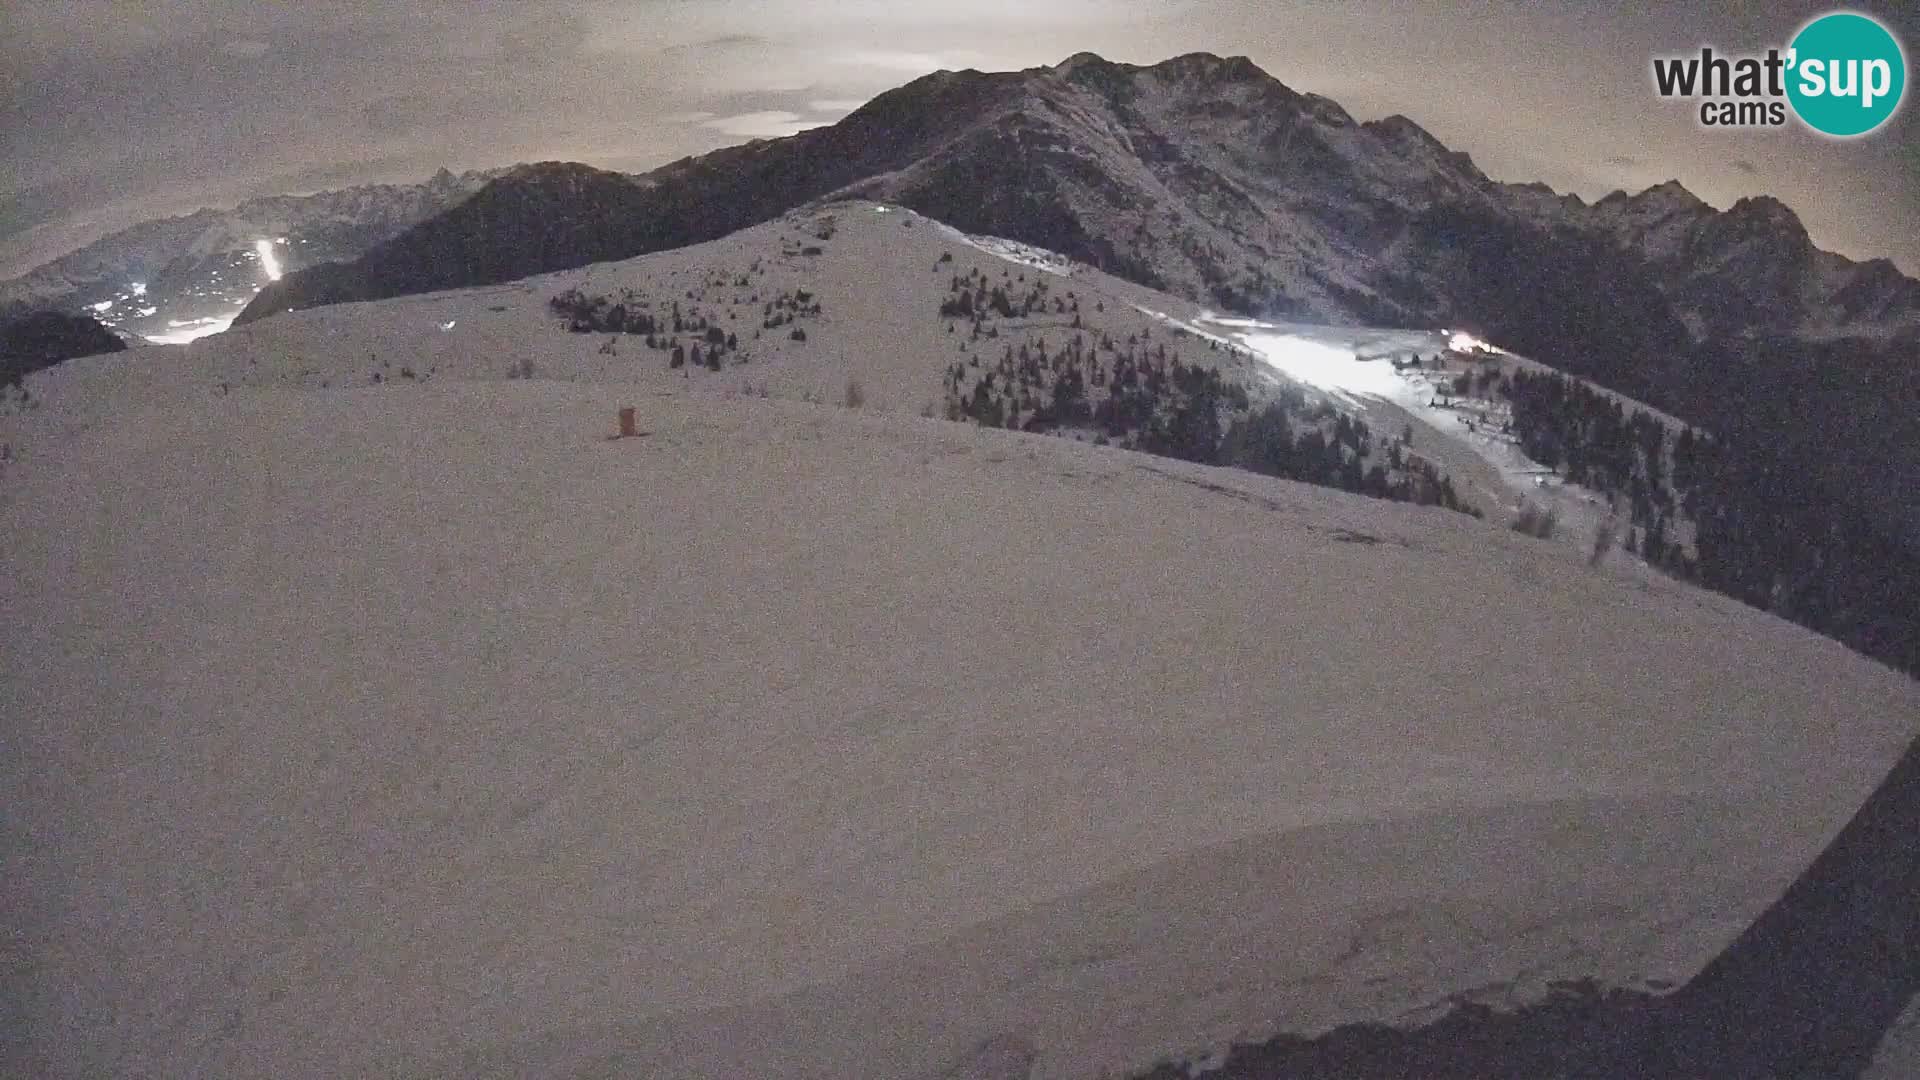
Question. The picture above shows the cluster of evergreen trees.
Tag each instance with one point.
(1771, 535)
(789, 307)
(706, 344)
(1766, 531)
(1139, 396)
(1142, 395)
(973, 297)
(717, 344)
(1253, 290)
(1567, 425)
(605, 315)
(1320, 445)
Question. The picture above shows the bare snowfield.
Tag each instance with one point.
(423, 730)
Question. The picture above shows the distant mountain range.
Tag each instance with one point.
(1201, 175)
(180, 277)
(1208, 178)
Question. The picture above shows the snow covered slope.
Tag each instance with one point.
(412, 726)
(424, 730)
(877, 275)
(874, 279)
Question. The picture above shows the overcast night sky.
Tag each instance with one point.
(120, 110)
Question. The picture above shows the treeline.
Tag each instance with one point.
(1771, 535)
(1320, 445)
(1765, 529)
(1589, 436)
(1143, 396)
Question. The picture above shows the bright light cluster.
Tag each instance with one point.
(268, 260)
(1327, 367)
(1467, 343)
(182, 331)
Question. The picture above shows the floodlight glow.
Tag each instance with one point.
(185, 330)
(1326, 367)
(268, 261)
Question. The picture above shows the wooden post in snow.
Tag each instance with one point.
(626, 423)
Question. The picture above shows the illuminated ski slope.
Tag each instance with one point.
(1356, 367)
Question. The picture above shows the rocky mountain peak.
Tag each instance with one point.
(1764, 212)
(1760, 231)
(1672, 195)
(1210, 67)
(1400, 129)
(1083, 61)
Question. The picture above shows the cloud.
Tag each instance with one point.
(247, 47)
(1747, 167)
(541, 39)
(910, 63)
(839, 106)
(435, 110)
(397, 114)
(719, 43)
(766, 124)
(1624, 162)
(394, 168)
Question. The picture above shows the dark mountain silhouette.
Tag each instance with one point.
(42, 339)
(1202, 174)
(554, 215)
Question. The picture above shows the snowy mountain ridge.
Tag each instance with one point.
(1201, 175)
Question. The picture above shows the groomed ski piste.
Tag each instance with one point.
(417, 726)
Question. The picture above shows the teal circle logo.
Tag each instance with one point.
(1847, 74)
